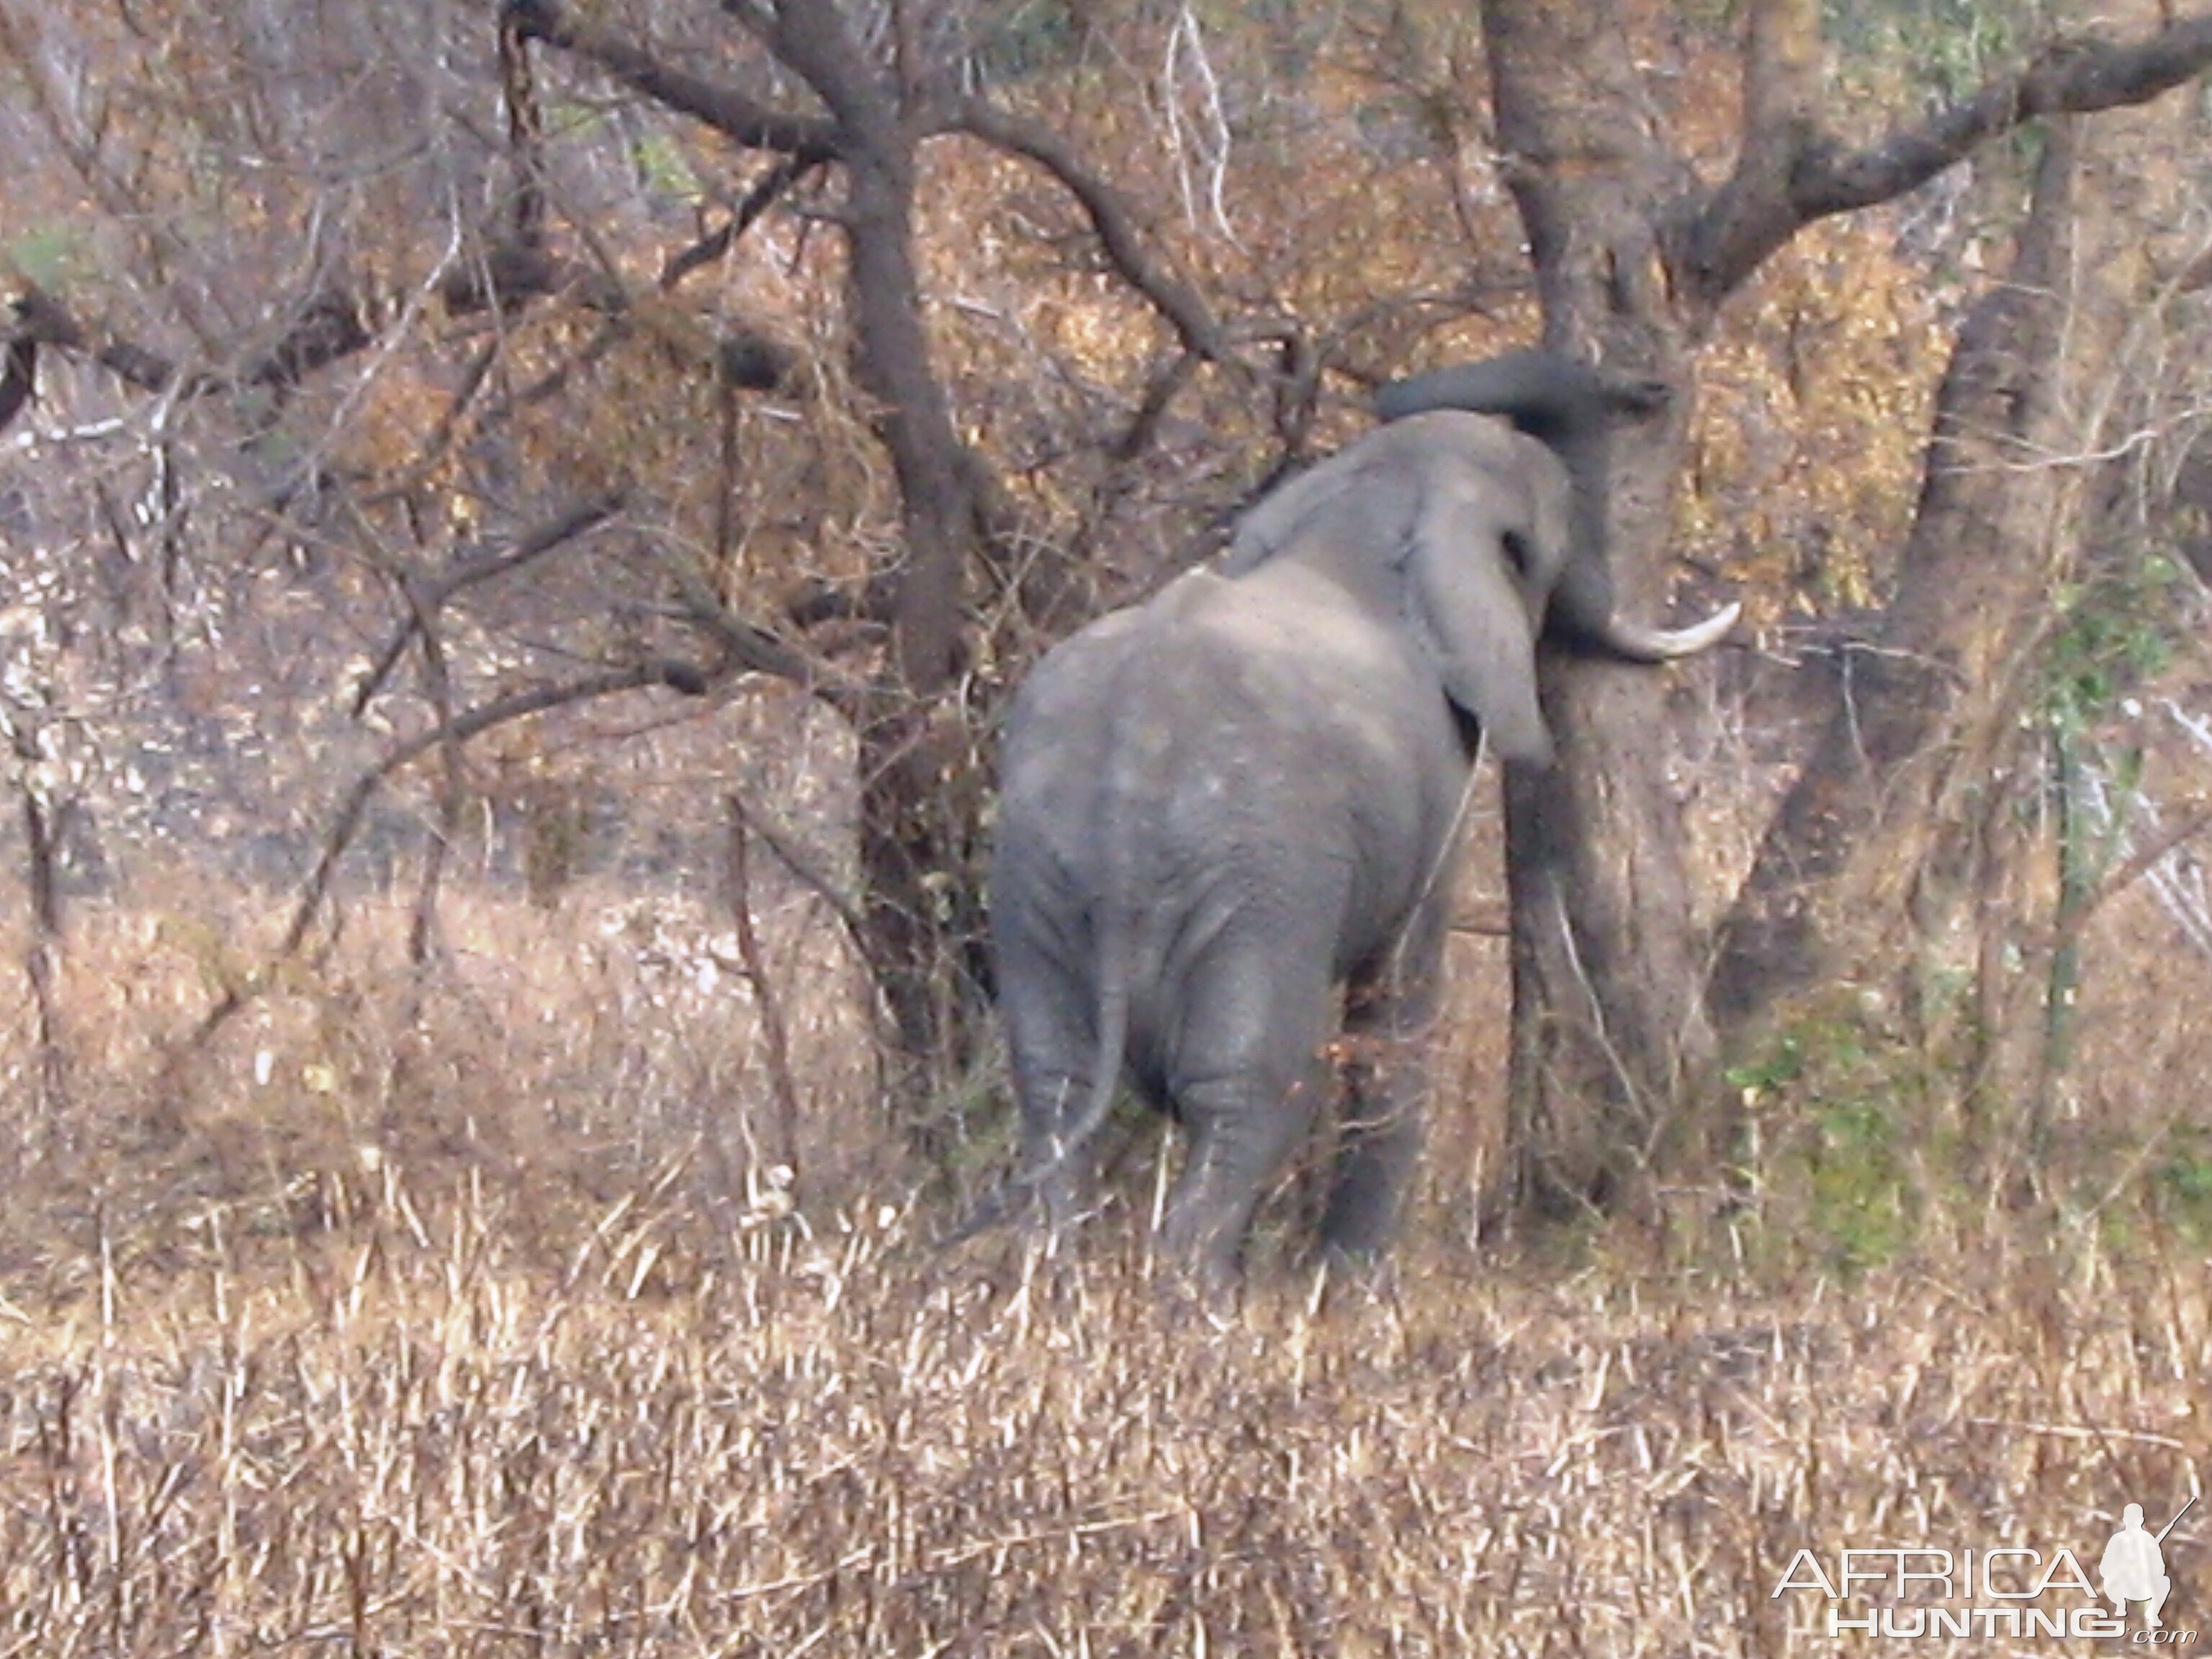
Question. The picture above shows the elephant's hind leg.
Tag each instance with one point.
(1052, 1040)
(1247, 1082)
(1388, 1015)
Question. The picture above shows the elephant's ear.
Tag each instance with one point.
(1464, 596)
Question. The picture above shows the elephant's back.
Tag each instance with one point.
(1227, 748)
(1274, 683)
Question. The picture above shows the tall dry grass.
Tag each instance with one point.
(486, 1335)
(404, 1436)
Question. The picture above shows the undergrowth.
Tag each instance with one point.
(505, 1342)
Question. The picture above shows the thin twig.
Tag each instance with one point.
(753, 966)
(2130, 873)
(681, 677)
(425, 598)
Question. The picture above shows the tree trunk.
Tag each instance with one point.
(1609, 1034)
(1615, 1043)
(1891, 847)
(918, 801)
(1916, 707)
(42, 952)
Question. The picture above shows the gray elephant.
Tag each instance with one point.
(1228, 814)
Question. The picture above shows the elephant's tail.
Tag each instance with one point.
(1113, 1023)
(1113, 952)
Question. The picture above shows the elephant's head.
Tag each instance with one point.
(1479, 535)
(1572, 410)
(1454, 528)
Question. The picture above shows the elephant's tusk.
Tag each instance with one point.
(1641, 644)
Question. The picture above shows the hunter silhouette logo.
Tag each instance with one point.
(2134, 1565)
(2001, 1591)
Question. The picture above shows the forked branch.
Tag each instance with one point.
(1790, 173)
(331, 325)
(817, 52)
(720, 105)
(426, 597)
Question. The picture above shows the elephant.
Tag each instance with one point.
(1228, 816)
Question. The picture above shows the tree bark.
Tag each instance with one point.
(918, 805)
(1838, 867)
(42, 952)
(920, 765)
(1608, 1032)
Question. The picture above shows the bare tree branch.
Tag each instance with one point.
(746, 358)
(1160, 389)
(426, 596)
(1811, 176)
(19, 378)
(421, 931)
(752, 965)
(329, 327)
(748, 649)
(525, 134)
(2130, 873)
(681, 677)
(334, 325)
(719, 242)
(511, 275)
(1109, 213)
(718, 104)
(1751, 214)
(2076, 76)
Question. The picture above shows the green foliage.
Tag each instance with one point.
(1947, 45)
(1844, 1109)
(1857, 1185)
(573, 118)
(662, 166)
(1784, 1062)
(2116, 631)
(1862, 1147)
(2183, 1184)
(2113, 632)
(53, 255)
(967, 1125)
(1889, 53)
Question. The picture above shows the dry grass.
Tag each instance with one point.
(501, 1358)
(573, 1052)
(399, 1435)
